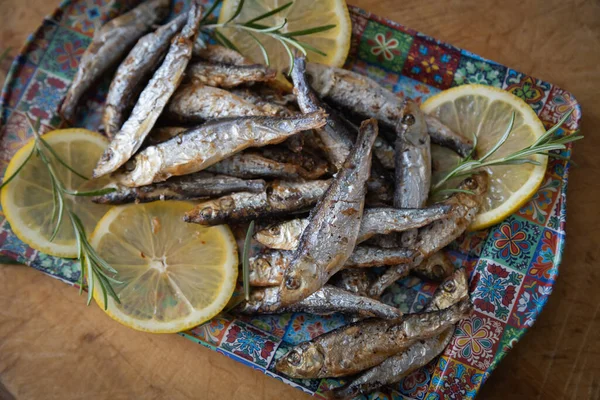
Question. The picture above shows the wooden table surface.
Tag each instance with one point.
(54, 347)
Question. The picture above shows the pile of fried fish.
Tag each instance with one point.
(336, 174)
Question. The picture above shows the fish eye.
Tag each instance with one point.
(206, 212)
(294, 358)
(274, 230)
(129, 165)
(292, 283)
(472, 183)
(408, 119)
(438, 270)
(450, 286)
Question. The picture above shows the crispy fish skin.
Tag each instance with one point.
(282, 236)
(353, 280)
(196, 102)
(375, 221)
(356, 347)
(164, 133)
(250, 165)
(396, 367)
(153, 98)
(228, 76)
(436, 268)
(444, 136)
(134, 72)
(279, 198)
(333, 134)
(334, 224)
(370, 256)
(220, 55)
(413, 160)
(327, 300)
(267, 268)
(208, 144)
(270, 101)
(108, 46)
(306, 159)
(189, 187)
(434, 237)
(356, 92)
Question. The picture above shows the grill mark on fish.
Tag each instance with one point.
(327, 300)
(210, 143)
(228, 76)
(108, 46)
(331, 235)
(280, 198)
(153, 98)
(356, 347)
(189, 187)
(134, 72)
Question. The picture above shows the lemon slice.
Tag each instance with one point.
(485, 111)
(301, 15)
(27, 200)
(174, 275)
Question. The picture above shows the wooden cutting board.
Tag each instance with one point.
(54, 347)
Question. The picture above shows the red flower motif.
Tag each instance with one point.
(509, 295)
(68, 55)
(267, 349)
(315, 329)
(497, 270)
(511, 239)
(474, 282)
(298, 323)
(232, 334)
(57, 83)
(484, 305)
(33, 91)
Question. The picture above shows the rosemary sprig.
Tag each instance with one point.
(246, 261)
(96, 269)
(546, 143)
(288, 40)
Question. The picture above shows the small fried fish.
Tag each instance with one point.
(453, 289)
(250, 165)
(201, 147)
(109, 45)
(396, 367)
(356, 347)
(375, 221)
(195, 186)
(444, 136)
(281, 198)
(228, 76)
(353, 280)
(334, 223)
(327, 300)
(134, 72)
(153, 98)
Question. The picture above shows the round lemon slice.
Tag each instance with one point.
(301, 15)
(484, 111)
(27, 200)
(174, 275)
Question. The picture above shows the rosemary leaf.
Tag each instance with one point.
(97, 192)
(246, 261)
(309, 31)
(310, 48)
(61, 209)
(270, 13)
(289, 52)
(212, 8)
(224, 41)
(237, 12)
(262, 49)
(502, 140)
(6, 181)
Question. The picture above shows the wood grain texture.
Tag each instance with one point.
(54, 347)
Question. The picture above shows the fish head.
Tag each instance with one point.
(440, 266)
(301, 279)
(478, 183)
(452, 290)
(414, 125)
(304, 361)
